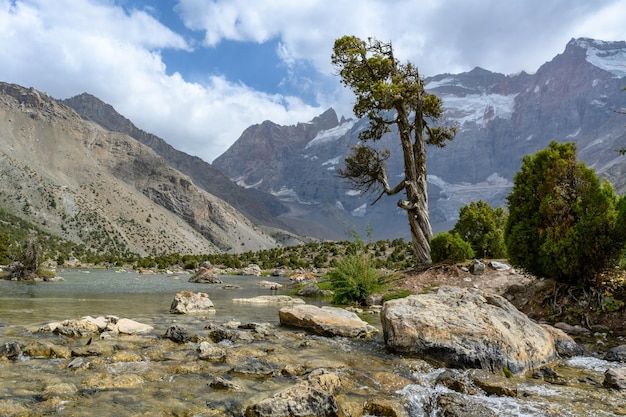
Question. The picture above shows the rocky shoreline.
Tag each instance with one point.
(316, 362)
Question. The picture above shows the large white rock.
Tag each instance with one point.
(466, 328)
(325, 321)
(128, 326)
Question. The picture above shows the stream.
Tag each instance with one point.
(147, 375)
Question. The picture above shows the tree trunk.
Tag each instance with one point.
(416, 187)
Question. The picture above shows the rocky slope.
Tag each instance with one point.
(257, 205)
(500, 118)
(105, 189)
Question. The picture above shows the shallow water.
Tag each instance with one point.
(167, 379)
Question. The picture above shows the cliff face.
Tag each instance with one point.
(105, 189)
(575, 97)
(258, 206)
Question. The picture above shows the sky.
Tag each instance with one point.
(197, 73)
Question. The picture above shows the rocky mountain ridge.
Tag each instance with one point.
(500, 118)
(105, 189)
(258, 206)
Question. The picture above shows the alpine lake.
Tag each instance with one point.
(150, 375)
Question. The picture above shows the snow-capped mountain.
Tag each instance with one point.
(500, 118)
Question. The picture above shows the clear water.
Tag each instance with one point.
(170, 380)
(142, 297)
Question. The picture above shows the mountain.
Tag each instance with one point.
(259, 206)
(500, 118)
(105, 189)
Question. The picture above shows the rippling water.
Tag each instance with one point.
(144, 297)
(170, 380)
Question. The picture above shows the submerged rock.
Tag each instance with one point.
(189, 302)
(88, 326)
(313, 397)
(270, 299)
(466, 329)
(615, 378)
(10, 350)
(325, 321)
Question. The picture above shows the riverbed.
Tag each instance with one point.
(146, 374)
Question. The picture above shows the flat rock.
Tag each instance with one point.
(325, 321)
(270, 299)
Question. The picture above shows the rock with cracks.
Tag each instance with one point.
(313, 397)
(466, 329)
(325, 321)
(189, 302)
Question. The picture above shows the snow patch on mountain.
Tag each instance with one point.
(241, 182)
(331, 134)
(478, 108)
(360, 211)
(603, 55)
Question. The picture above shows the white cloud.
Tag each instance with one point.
(439, 36)
(66, 47)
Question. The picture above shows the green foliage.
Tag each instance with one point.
(563, 222)
(483, 227)
(353, 279)
(448, 246)
(391, 93)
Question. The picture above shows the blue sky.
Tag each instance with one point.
(199, 72)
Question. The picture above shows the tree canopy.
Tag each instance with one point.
(483, 227)
(391, 94)
(563, 222)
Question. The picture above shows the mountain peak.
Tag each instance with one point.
(606, 55)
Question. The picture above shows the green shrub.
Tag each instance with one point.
(564, 223)
(447, 246)
(483, 227)
(353, 279)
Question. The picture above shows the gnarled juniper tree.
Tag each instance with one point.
(391, 93)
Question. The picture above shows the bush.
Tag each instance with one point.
(447, 246)
(353, 279)
(563, 222)
(483, 227)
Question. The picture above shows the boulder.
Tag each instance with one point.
(211, 352)
(128, 326)
(205, 276)
(176, 334)
(456, 405)
(499, 266)
(325, 321)
(313, 397)
(73, 327)
(189, 302)
(10, 350)
(466, 328)
(309, 290)
(616, 354)
(251, 270)
(615, 378)
(477, 267)
(253, 367)
(271, 285)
